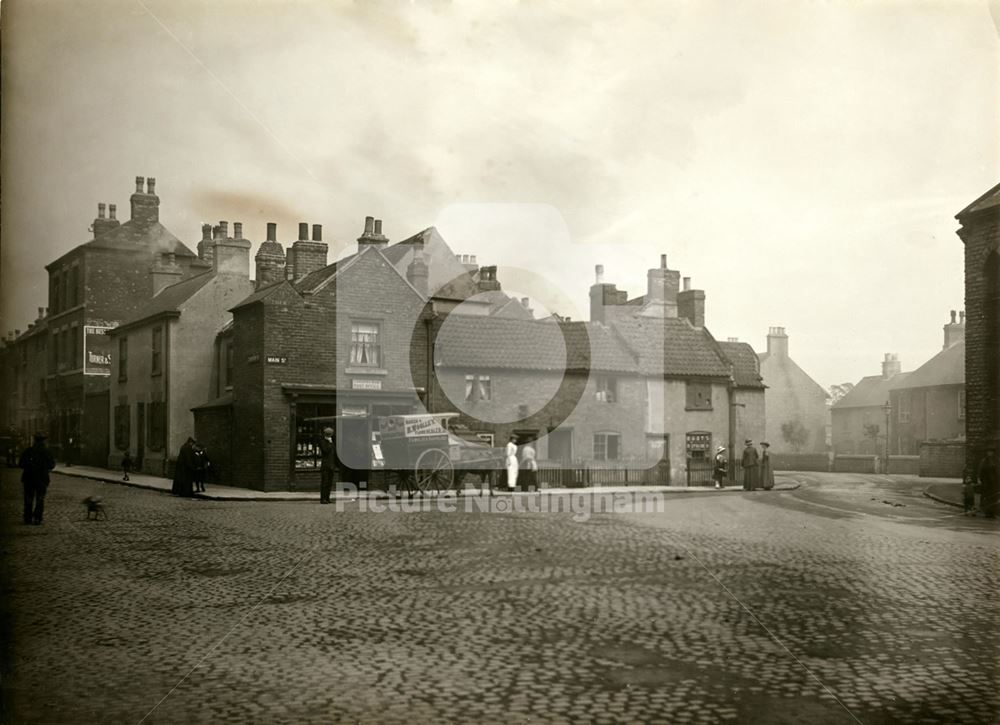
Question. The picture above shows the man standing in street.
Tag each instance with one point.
(36, 462)
(750, 461)
(328, 464)
(988, 483)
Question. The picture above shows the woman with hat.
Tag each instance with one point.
(766, 472)
(749, 462)
(720, 469)
(328, 464)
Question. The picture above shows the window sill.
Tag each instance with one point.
(707, 410)
(362, 370)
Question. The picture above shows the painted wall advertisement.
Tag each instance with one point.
(96, 350)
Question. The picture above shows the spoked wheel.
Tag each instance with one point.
(399, 481)
(433, 471)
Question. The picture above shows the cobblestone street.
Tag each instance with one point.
(847, 601)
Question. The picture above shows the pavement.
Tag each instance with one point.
(216, 492)
(850, 599)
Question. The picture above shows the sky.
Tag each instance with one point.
(802, 162)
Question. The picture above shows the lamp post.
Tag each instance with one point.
(887, 408)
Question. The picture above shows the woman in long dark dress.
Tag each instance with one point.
(766, 472)
(184, 470)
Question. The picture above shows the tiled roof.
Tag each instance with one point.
(671, 346)
(262, 293)
(506, 343)
(871, 391)
(990, 199)
(169, 299)
(316, 278)
(746, 365)
(945, 368)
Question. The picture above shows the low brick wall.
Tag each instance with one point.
(904, 464)
(855, 464)
(944, 459)
(800, 461)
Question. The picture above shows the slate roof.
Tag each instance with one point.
(168, 300)
(672, 346)
(945, 368)
(990, 199)
(871, 391)
(153, 238)
(507, 343)
(746, 364)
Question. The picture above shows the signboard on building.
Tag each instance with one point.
(698, 443)
(277, 360)
(96, 350)
(423, 425)
(361, 384)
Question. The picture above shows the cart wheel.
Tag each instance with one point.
(433, 471)
(398, 481)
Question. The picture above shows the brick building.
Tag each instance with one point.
(92, 288)
(164, 361)
(929, 404)
(24, 369)
(858, 419)
(980, 233)
(796, 404)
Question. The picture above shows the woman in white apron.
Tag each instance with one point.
(511, 462)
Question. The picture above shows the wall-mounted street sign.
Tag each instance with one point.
(366, 384)
(96, 350)
(277, 360)
(253, 357)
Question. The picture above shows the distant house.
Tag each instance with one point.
(929, 404)
(749, 393)
(859, 418)
(163, 363)
(796, 404)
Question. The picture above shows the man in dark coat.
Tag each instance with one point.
(184, 470)
(989, 485)
(36, 462)
(328, 464)
(750, 461)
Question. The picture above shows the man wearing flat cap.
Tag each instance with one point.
(328, 464)
(750, 461)
(35, 464)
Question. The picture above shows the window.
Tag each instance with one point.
(903, 403)
(308, 432)
(607, 446)
(365, 348)
(123, 358)
(699, 396)
(478, 387)
(54, 293)
(75, 360)
(74, 285)
(64, 290)
(961, 405)
(228, 381)
(607, 389)
(156, 361)
(122, 432)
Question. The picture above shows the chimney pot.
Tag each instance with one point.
(206, 232)
(216, 231)
(41, 312)
(687, 283)
(369, 224)
(599, 274)
(524, 301)
(272, 232)
(472, 259)
(303, 231)
(317, 232)
(112, 210)
(237, 230)
(961, 317)
(378, 227)
(171, 258)
(663, 261)
(100, 213)
(17, 332)
(138, 184)
(150, 185)
(224, 229)
(953, 317)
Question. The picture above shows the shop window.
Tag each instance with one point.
(607, 389)
(309, 431)
(607, 446)
(122, 359)
(699, 396)
(156, 361)
(478, 387)
(365, 344)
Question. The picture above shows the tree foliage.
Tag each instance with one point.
(838, 391)
(795, 434)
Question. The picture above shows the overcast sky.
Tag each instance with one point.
(801, 161)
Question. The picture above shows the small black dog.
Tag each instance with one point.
(95, 506)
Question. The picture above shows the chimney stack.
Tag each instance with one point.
(417, 273)
(777, 342)
(231, 255)
(270, 260)
(102, 225)
(603, 296)
(890, 366)
(954, 331)
(164, 272)
(488, 279)
(306, 256)
(662, 285)
(145, 204)
(205, 244)
(372, 236)
(691, 304)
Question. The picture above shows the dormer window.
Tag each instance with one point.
(607, 389)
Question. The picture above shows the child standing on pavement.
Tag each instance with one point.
(126, 465)
(969, 491)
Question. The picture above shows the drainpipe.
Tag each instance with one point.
(166, 396)
(731, 397)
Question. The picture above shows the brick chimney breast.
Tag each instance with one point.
(104, 225)
(306, 256)
(954, 332)
(145, 204)
(231, 255)
(270, 259)
(372, 236)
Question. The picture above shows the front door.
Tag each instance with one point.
(140, 434)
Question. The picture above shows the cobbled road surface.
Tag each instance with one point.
(851, 599)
